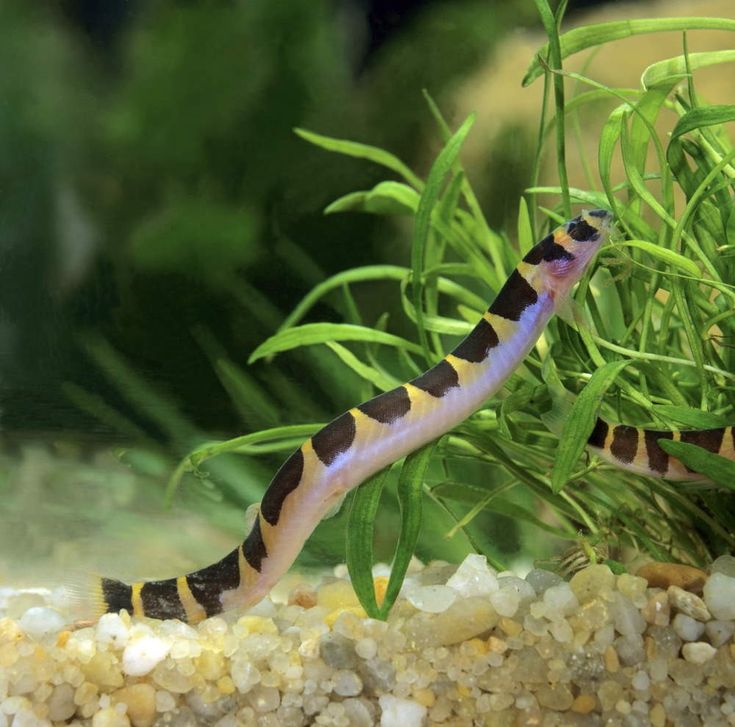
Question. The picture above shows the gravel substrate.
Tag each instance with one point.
(463, 646)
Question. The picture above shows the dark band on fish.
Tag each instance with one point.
(438, 379)
(581, 231)
(117, 595)
(283, 484)
(253, 547)
(658, 460)
(477, 344)
(388, 407)
(547, 250)
(207, 584)
(514, 297)
(599, 434)
(335, 438)
(625, 443)
(160, 599)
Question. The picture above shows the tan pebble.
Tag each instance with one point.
(732, 650)
(663, 575)
(332, 617)
(556, 697)
(110, 717)
(657, 610)
(380, 586)
(257, 625)
(584, 704)
(612, 663)
(225, 685)
(698, 652)
(303, 596)
(650, 646)
(62, 638)
(509, 626)
(657, 715)
(424, 697)
(339, 594)
(688, 603)
(496, 645)
(592, 582)
(211, 665)
(141, 702)
(85, 693)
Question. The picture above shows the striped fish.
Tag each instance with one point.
(370, 436)
(638, 450)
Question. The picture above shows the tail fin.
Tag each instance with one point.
(84, 596)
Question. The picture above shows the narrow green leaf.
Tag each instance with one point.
(702, 116)
(718, 469)
(355, 275)
(359, 540)
(581, 421)
(589, 36)
(385, 198)
(362, 151)
(672, 70)
(312, 333)
(694, 418)
(665, 255)
(379, 379)
(525, 228)
(410, 495)
(429, 197)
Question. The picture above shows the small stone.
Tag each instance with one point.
(141, 702)
(610, 657)
(337, 651)
(719, 596)
(264, 699)
(657, 610)
(244, 674)
(143, 654)
(626, 617)
(463, 620)
(346, 683)
(657, 715)
(584, 704)
(40, 621)
(61, 705)
(719, 632)
(474, 577)
(540, 579)
(113, 629)
(686, 627)
(725, 564)
(595, 581)
(431, 599)
(699, 652)
(397, 712)
(339, 594)
(688, 603)
(634, 587)
(505, 602)
(556, 697)
(560, 601)
(110, 717)
(663, 575)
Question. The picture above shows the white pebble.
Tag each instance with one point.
(474, 577)
(719, 595)
(698, 653)
(143, 654)
(41, 621)
(165, 701)
(520, 586)
(505, 602)
(640, 681)
(686, 627)
(560, 601)
(626, 617)
(111, 629)
(561, 631)
(398, 712)
(61, 703)
(245, 675)
(366, 648)
(724, 564)
(719, 632)
(347, 683)
(432, 599)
